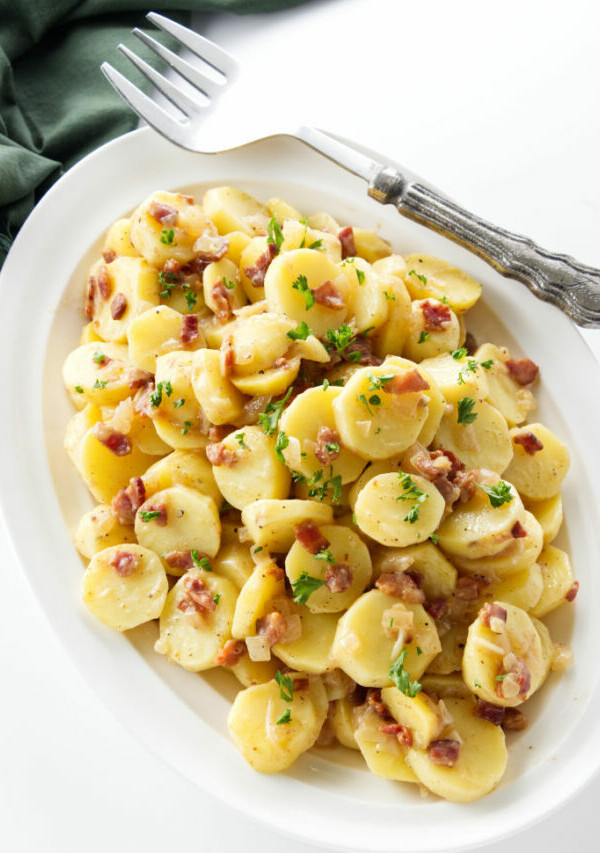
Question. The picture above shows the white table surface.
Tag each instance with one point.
(495, 103)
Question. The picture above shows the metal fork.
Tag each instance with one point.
(571, 286)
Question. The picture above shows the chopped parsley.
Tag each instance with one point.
(487, 365)
(187, 425)
(257, 550)
(470, 367)
(319, 487)
(79, 389)
(401, 677)
(217, 598)
(424, 336)
(240, 440)
(360, 276)
(305, 586)
(157, 394)
(286, 686)
(316, 244)
(374, 400)
(282, 443)
(411, 493)
(325, 555)
(274, 233)
(270, 417)
(99, 357)
(168, 236)
(376, 383)
(459, 354)
(190, 297)
(200, 562)
(341, 337)
(301, 285)
(332, 447)
(100, 383)
(149, 514)
(422, 278)
(286, 717)
(434, 538)
(297, 477)
(167, 281)
(501, 677)
(228, 284)
(300, 333)
(498, 494)
(177, 404)
(419, 650)
(466, 415)
(389, 296)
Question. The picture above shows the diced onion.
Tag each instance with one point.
(258, 648)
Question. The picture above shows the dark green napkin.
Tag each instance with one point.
(55, 105)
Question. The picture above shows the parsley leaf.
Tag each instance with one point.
(498, 494)
(157, 394)
(100, 383)
(274, 233)
(360, 276)
(228, 284)
(167, 281)
(389, 296)
(149, 514)
(286, 686)
(422, 278)
(187, 425)
(190, 298)
(301, 285)
(99, 357)
(217, 598)
(434, 538)
(459, 354)
(424, 336)
(200, 562)
(401, 677)
(321, 491)
(411, 493)
(316, 244)
(177, 404)
(466, 415)
(168, 237)
(362, 399)
(282, 443)
(270, 417)
(487, 364)
(376, 383)
(325, 555)
(305, 586)
(79, 389)
(286, 717)
(240, 440)
(341, 337)
(300, 333)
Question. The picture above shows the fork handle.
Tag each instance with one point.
(559, 279)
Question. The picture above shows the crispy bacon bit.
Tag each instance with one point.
(273, 626)
(572, 593)
(218, 433)
(227, 356)
(189, 329)
(163, 213)
(231, 653)
(470, 588)
(374, 702)
(179, 560)
(310, 537)
(338, 577)
(218, 454)
(256, 274)
(470, 344)
(104, 283)
(142, 402)
(220, 295)
(329, 295)
(523, 370)
(406, 383)
(275, 571)
(172, 267)
(529, 441)
(138, 378)
(118, 306)
(281, 362)
(109, 256)
(444, 752)
(346, 238)
(494, 617)
(125, 563)
(364, 346)
(325, 445)
(436, 607)
(517, 531)
(400, 585)
(115, 441)
(197, 597)
(402, 733)
(436, 315)
(465, 482)
(490, 712)
(127, 501)
(514, 720)
(90, 296)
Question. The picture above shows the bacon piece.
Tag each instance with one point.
(346, 238)
(218, 454)
(402, 733)
(172, 267)
(275, 571)
(310, 537)
(523, 370)
(465, 482)
(179, 560)
(109, 256)
(364, 346)
(374, 702)
(490, 712)
(127, 501)
(281, 362)
(572, 593)
(115, 441)
(470, 588)
(329, 295)
(165, 214)
(142, 402)
(118, 306)
(437, 607)
(197, 597)
(189, 329)
(493, 616)
(104, 283)
(138, 378)
(514, 720)
(227, 356)
(231, 653)
(470, 344)
(90, 297)
(530, 443)
(444, 752)
(517, 531)
(338, 577)
(273, 626)
(400, 585)
(220, 295)
(436, 315)
(218, 433)
(125, 563)
(256, 274)
(406, 383)
(324, 453)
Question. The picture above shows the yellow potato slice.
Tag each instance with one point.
(450, 658)
(192, 637)
(184, 468)
(457, 377)
(418, 713)
(436, 401)
(237, 243)
(549, 514)
(88, 336)
(131, 278)
(270, 382)
(390, 337)
(192, 523)
(220, 401)
(370, 245)
(364, 650)
(369, 307)
(99, 529)
(437, 573)
(373, 469)
(538, 476)
(442, 686)
(270, 523)
(233, 210)
(255, 599)
(282, 209)
(428, 276)
(98, 373)
(484, 443)
(510, 398)
(156, 332)
(249, 672)
(422, 343)
(272, 733)
(557, 579)
(382, 752)
(517, 556)
(481, 761)
(298, 235)
(250, 256)
(234, 562)
(399, 510)
(343, 722)
(225, 272)
(124, 586)
(118, 239)
(345, 549)
(312, 651)
(523, 589)
(178, 417)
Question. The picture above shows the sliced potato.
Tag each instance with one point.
(264, 585)
(381, 751)
(557, 578)
(312, 651)
(428, 276)
(234, 210)
(538, 475)
(99, 529)
(484, 443)
(270, 523)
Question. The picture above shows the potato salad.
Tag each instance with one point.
(308, 472)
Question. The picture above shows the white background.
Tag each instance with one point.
(495, 103)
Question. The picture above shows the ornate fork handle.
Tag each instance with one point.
(559, 279)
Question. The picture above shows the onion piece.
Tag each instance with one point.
(258, 648)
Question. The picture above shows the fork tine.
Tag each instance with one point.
(200, 46)
(182, 101)
(206, 85)
(144, 106)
